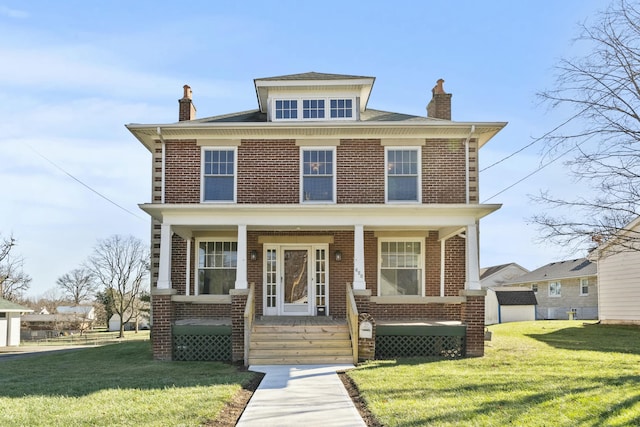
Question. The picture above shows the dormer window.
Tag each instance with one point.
(341, 108)
(313, 109)
(286, 109)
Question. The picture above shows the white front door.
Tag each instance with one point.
(295, 280)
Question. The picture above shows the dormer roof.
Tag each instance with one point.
(313, 81)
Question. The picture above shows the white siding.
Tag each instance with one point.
(619, 282)
(517, 313)
(4, 331)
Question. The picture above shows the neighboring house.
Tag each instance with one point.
(498, 275)
(66, 318)
(314, 206)
(564, 289)
(143, 322)
(506, 304)
(618, 262)
(10, 318)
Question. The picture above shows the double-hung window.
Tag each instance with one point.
(403, 174)
(584, 287)
(555, 289)
(401, 267)
(318, 175)
(217, 262)
(218, 175)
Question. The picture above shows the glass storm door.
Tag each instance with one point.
(296, 298)
(295, 280)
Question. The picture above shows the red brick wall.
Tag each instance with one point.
(454, 275)
(360, 171)
(416, 311)
(185, 310)
(473, 317)
(182, 172)
(268, 171)
(179, 264)
(163, 316)
(443, 175)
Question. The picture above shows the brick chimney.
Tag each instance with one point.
(440, 105)
(187, 110)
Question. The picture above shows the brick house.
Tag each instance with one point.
(314, 211)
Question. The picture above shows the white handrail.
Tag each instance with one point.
(352, 319)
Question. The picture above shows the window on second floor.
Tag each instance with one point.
(555, 289)
(534, 288)
(584, 287)
(218, 175)
(403, 174)
(318, 175)
(217, 262)
(401, 267)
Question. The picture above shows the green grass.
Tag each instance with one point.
(114, 385)
(545, 373)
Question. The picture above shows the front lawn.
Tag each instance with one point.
(114, 385)
(545, 373)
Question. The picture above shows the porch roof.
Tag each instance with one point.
(446, 218)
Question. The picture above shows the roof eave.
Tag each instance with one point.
(483, 131)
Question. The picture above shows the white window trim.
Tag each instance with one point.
(386, 174)
(582, 294)
(196, 254)
(334, 175)
(549, 291)
(422, 264)
(311, 97)
(235, 173)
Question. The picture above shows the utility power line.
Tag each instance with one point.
(88, 187)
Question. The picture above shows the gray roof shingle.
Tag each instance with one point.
(580, 267)
(312, 75)
(516, 298)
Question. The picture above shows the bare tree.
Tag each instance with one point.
(602, 89)
(78, 285)
(121, 265)
(14, 282)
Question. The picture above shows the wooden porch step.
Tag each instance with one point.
(304, 344)
(309, 360)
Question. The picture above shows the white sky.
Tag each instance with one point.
(73, 73)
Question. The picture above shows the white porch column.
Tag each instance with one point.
(187, 273)
(358, 258)
(164, 268)
(241, 268)
(473, 262)
(443, 265)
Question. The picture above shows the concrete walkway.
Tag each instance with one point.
(300, 395)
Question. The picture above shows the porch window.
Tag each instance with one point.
(403, 175)
(218, 175)
(401, 268)
(584, 287)
(217, 262)
(318, 175)
(555, 289)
